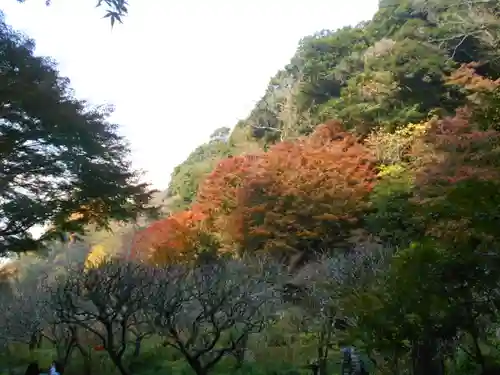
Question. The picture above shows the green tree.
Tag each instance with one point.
(60, 157)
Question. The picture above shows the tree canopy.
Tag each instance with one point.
(63, 163)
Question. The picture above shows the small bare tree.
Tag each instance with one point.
(22, 313)
(208, 311)
(64, 339)
(22, 318)
(333, 280)
(106, 301)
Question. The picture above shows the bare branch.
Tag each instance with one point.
(106, 301)
(206, 312)
(23, 315)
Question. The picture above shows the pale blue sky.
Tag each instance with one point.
(176, 70)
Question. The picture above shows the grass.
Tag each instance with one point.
(286, 359)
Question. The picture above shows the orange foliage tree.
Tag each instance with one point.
(483, 95)
(298, 198)
(176, 238)
(217, 196)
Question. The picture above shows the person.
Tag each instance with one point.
(55, 369)
(32, 369)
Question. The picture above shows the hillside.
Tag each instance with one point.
(381, 74)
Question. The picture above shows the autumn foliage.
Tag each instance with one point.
(309, 195)
(483, 95)
(173, 239)
(467, 78)
(457, 167)
(299, 197)
(218, 195)
(457, 150)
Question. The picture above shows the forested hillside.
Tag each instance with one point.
(378, 136)
(379, 75)
(357, 205)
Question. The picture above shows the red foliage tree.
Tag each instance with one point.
(217, 195)
(483, 95)
(173, 239)
(298, 198)
(458, 174)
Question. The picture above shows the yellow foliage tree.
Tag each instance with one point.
(96, 255)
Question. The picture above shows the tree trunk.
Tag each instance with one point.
(197, 367)
(117, 361)
(477, 349)
(239, 353)
(33, 341)
(475, 335)
(322, 366)
(39, 342)
(323, 343)
(322, 360)
(63, 360)
(394, 364)
(87, 364)
(426, 358)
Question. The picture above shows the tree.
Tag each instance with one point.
(422, 179)
(278, 115)
(62, 163)
(217, 195)
(402, 316)
(467, 29)
(483, 94)
(175, 239)
(115, 9)
(297, 199)
(107, 301)
(220, 134)
(186, 177)
(64, 338)
(208, 311)
(329, 289)
(23, 312)
(457, 159)
(457, 195)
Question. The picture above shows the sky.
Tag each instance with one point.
(176, 70)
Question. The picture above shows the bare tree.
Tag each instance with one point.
(22, 319)
(140, 329)
(26, 309)
(208, 311)
(106, 301)
(332, 281)
(22, 313)
(64, 339)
